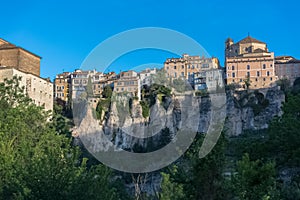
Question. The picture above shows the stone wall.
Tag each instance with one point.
(20, 59)
(38, 89)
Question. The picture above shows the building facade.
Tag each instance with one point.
(287, 67)
(210, 80)
(38, 89)
(19, 58)
(146, 76)
(249, 59)
(186, 66)
(62, 84)
(128, 82)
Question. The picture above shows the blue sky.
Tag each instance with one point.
(64, 32)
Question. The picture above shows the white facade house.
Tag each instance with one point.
(38, 89)
(146, 76)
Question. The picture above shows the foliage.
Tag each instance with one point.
(107, 91)
(89, 87)
(202, 93)
(36, 161)
(255, 180)
(170, 190)
(145, 109)
(102, 107)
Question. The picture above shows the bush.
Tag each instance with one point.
(145, 109)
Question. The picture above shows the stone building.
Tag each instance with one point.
(249, 58)
(79, 82)
(210, 80)
(62, 85)
(287, 67)
(128, 82)
(19, 58)
(38, 89)
(146, 76)
(185, 66)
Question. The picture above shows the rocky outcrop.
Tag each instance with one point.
(125, 126)
(252, 110)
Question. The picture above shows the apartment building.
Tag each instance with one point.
(62, 84)
(287, 67)
(249, 58)
(146, 76)
(186, 66)
(128, 82)
(38, 89)
(210, 80)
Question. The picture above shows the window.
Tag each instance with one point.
(232, 68)
(248, 67)
(268, 73)
(233, 80)
(175, 67)
(233, 74)
(241, 80)
(264, 79)
(257, 73)
(264, 66)
(256, 79)
(271, 65)
(248, 74)
(182, 66)
(175, 74)
(271, 79)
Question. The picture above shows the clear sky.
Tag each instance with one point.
(64, 32)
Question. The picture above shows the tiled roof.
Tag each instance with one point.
(250, 40)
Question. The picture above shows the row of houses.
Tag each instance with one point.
(70, 85)
(249, 59)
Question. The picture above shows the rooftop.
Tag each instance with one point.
(250, 39)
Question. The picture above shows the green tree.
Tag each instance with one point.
(107, 91)
(89, 87)
(255, 180)
(170, 190)
(36, 161)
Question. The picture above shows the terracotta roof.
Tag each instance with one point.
(250, 40)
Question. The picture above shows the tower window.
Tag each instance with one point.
(232, 68)
(248, 67)
(257, 73)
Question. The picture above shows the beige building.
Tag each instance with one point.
(287, 67)
(187, 65)
(249, 58)
(38, 89)
(19, 58)
(62, 84)
(128, 82)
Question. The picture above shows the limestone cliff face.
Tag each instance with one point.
(126, 127)
(252, 110)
